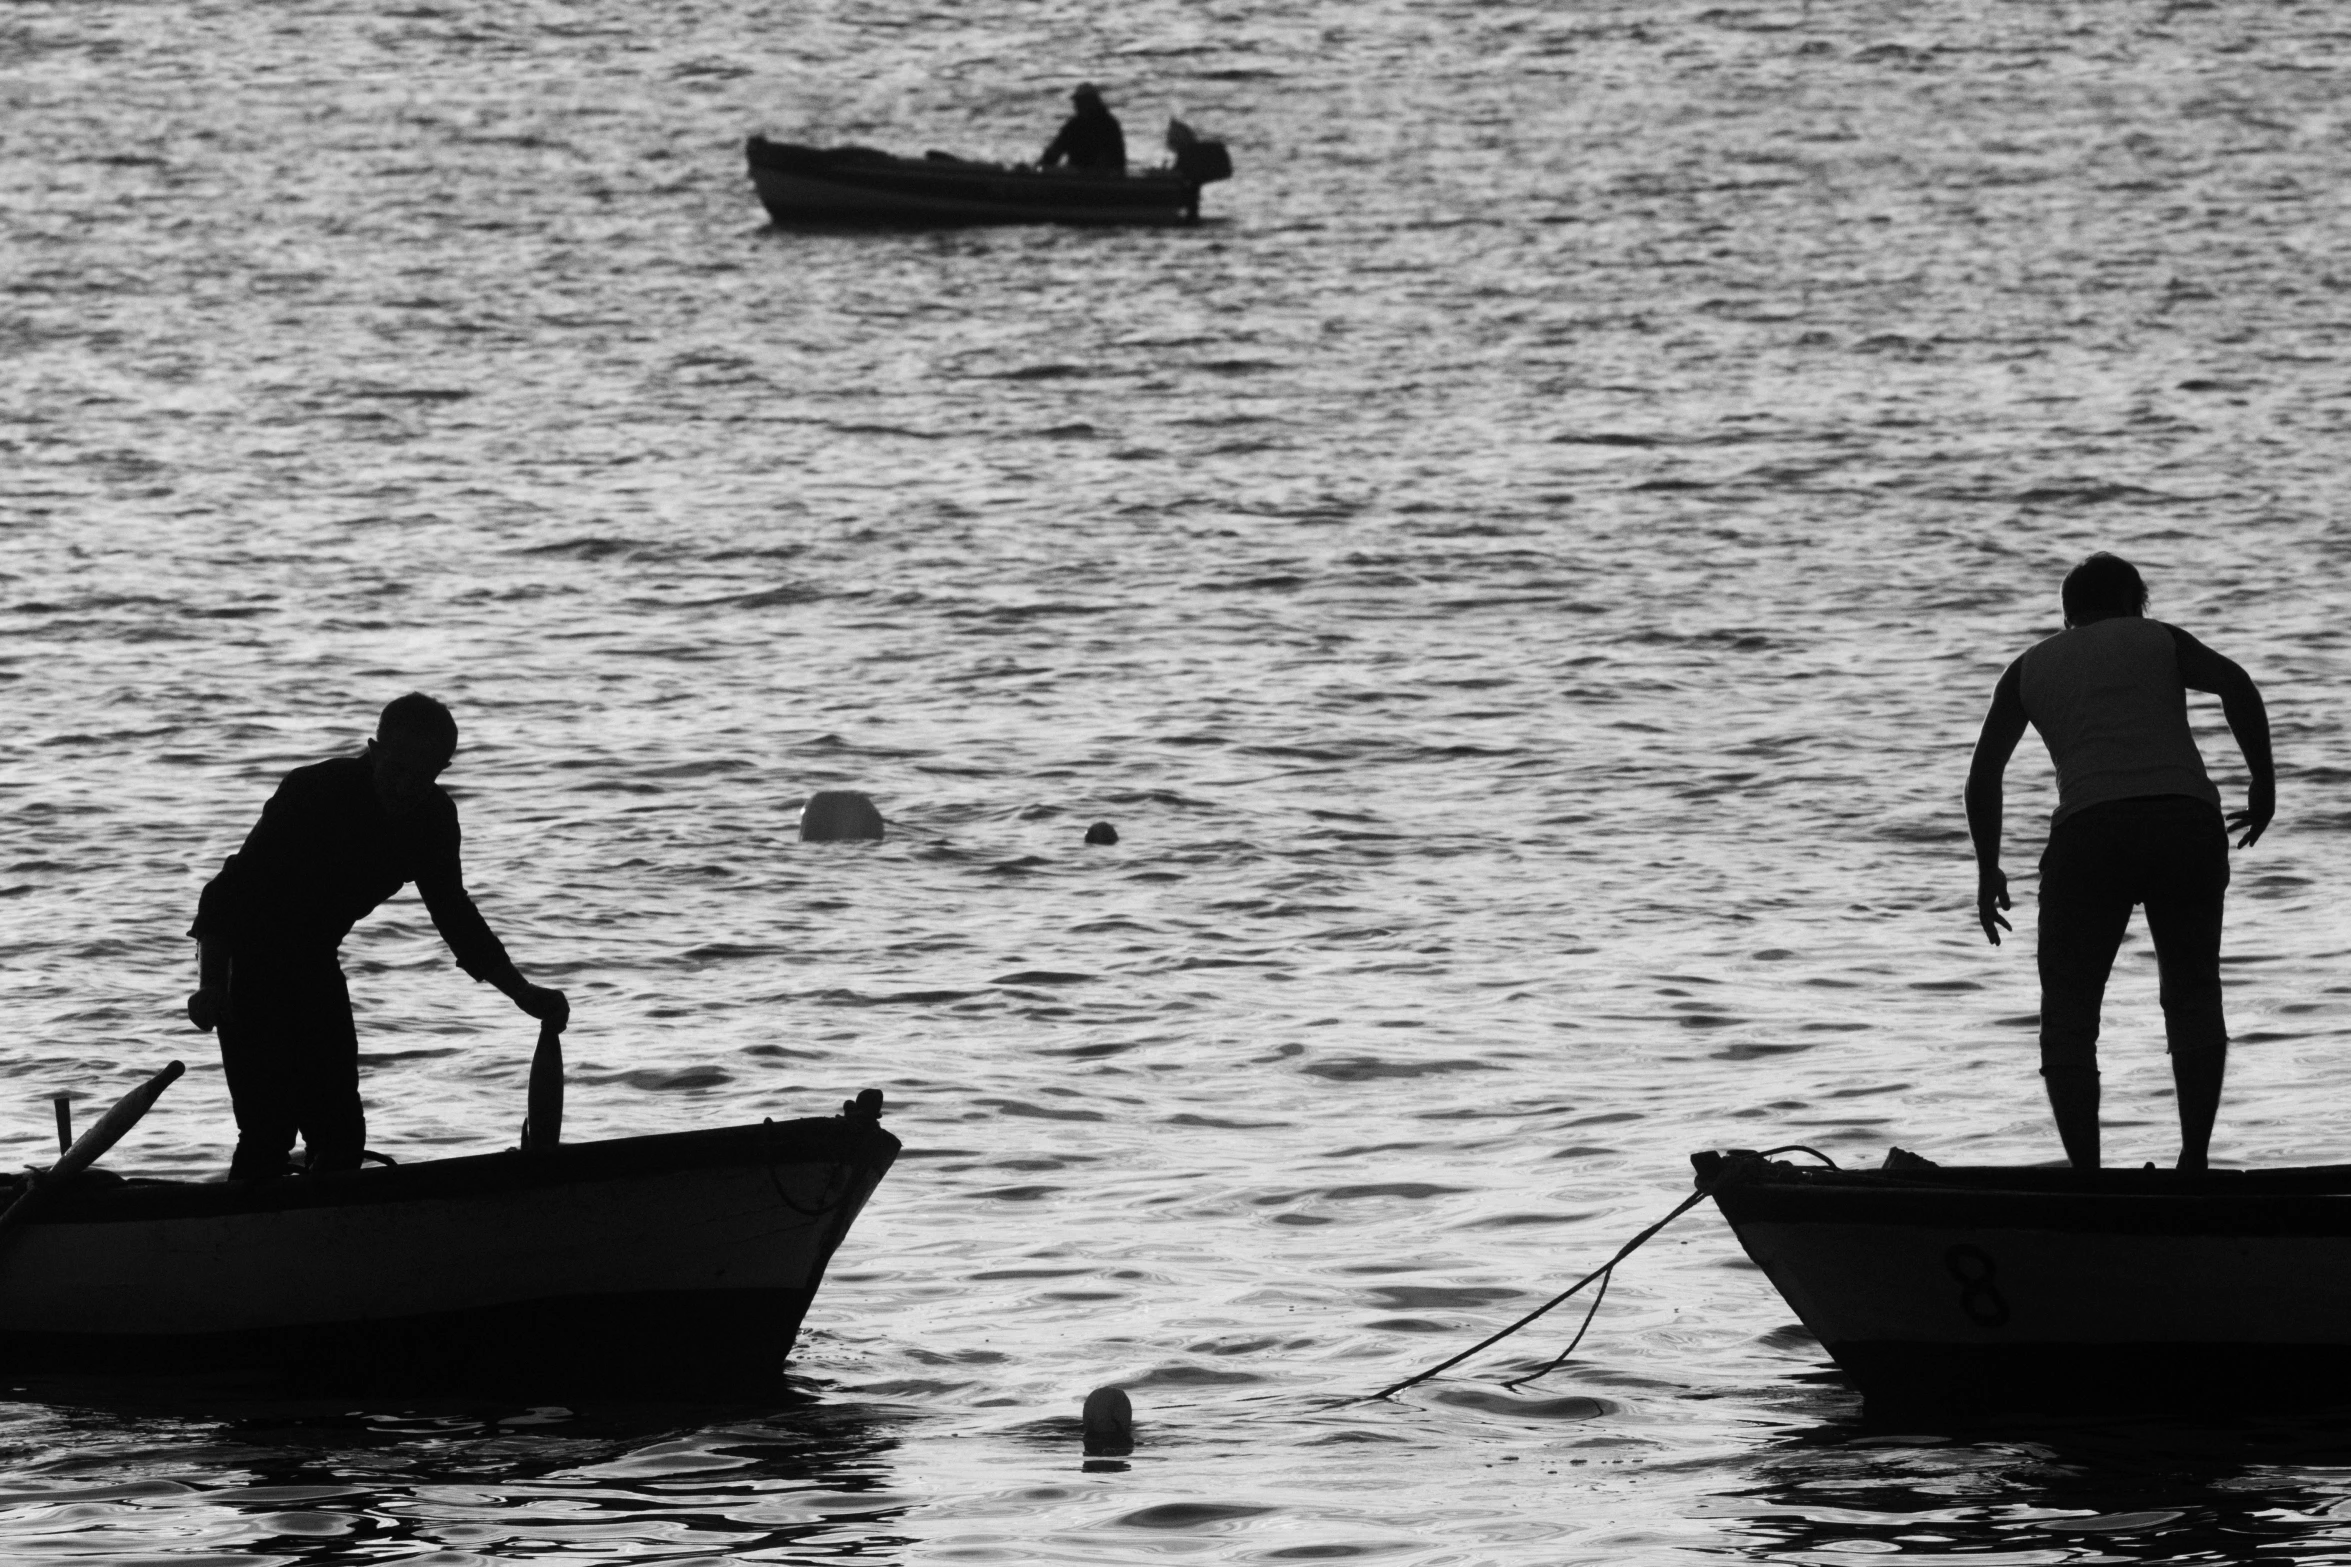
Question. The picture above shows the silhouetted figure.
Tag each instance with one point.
(336, 839)
(1101, 832)
(1090, 138)
(2137, 822)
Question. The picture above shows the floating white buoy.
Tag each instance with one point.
(839, 816)
(1110, 1421)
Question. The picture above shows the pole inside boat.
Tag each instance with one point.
(542, 1125)
(64, 1104)
(90, 1147)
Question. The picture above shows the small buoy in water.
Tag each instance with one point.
(839, 816)
(1101, 832)
(1110, 1421)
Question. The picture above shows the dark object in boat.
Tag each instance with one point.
(35, 1190)
(542, 1122)
(1201, 162)
(860, 185)
(672, 1263)
(1979, 1290)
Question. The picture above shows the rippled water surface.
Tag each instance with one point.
(1522, 578)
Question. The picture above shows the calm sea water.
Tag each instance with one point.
(1522, 578)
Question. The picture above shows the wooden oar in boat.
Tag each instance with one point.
(87, 1149)
(542, 1125)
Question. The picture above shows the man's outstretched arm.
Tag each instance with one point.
(441, 882)
(2201, 669)
(481, 954)
(2003, 727)
(548, 1006)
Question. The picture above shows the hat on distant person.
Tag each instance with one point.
(1086, 92)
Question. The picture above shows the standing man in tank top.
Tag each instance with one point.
(2137, 822)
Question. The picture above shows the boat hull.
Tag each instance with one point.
(2118, 1292)
(672, 1262)
(856, 186)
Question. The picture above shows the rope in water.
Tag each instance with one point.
(1602, 1273)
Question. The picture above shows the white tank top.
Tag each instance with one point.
(2109, 703)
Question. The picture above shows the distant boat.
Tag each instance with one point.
(859, 185)
(665, 1263)
(1989, 1289)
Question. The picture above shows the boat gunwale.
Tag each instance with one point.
(2026, 1179)
(859, 1144)
(863, 166)
(2310, 1200)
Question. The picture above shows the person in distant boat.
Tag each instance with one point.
(2137, 822)
(1090, 138)
(336, 839)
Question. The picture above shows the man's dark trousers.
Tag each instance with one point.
(291, 1052)
(2167, 852)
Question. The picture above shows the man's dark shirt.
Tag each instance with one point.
(1090, 139)
(324, 854)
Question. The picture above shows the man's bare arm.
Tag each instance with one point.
(2003, 727)
(2201, 669)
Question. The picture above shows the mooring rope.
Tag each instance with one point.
(1601, 1273)
(1607, 1276)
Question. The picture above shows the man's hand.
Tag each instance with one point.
(548, 1006)
(2261, 804)
(203, 1009)
(1991, 896)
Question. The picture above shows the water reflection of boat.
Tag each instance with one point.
(672, 1261)
(1999, 1289)
(854, 185)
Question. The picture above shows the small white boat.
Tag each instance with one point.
(859, 185)
(1980, 1290)
(673, 1262)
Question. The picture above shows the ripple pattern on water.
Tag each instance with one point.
(1521, 580)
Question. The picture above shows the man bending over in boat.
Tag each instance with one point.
(2137, 822)
(1090, 138)
(337, 839)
